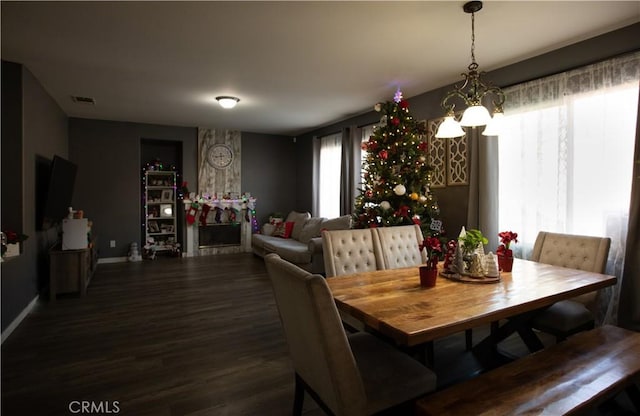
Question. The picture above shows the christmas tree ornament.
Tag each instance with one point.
(385, 205)
(400, 190)
(397, 97)
(414, 196)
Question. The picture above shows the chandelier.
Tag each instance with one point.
(472, 91)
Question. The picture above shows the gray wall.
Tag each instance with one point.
(453, 200)
(44, 135)
(109, 175)
(269, 173)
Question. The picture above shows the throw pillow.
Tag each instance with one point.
(311, 229)
(298, 218)
(268, 229)
(338, 223)
(283, 229)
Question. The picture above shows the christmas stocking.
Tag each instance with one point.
(191, 213)
(203, 215)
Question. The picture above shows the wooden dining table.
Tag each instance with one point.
(393, 303)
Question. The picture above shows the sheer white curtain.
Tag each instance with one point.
(329, 176)
(566, 156)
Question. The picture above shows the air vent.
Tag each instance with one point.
(83, 100)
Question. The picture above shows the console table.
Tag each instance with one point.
(71, 270)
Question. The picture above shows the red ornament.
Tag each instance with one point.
(423, 146)
(403, 104)
(383, 154)
(403, 211)
(395, 121)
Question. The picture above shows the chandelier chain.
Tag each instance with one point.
(473, 38)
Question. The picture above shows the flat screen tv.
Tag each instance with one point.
(59, 191)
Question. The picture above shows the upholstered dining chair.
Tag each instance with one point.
(347, 252)
(399, 246)
(351, 251)
(351, 375)
(568, 317)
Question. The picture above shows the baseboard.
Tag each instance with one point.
(13, 325)
(103, 260)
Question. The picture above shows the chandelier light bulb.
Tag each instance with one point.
(495, 126)
(449, 128)
(476, 115)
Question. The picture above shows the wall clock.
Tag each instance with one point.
(219, 155)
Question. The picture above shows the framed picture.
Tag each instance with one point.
(166, 210)
(153, 227)
(167, 195)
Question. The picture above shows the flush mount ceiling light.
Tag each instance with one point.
(472, 91)
(227, 101)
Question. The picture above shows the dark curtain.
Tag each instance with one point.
(350, 168)
(482, 213)
(629, 307)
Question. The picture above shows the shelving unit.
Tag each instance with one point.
(160, 210)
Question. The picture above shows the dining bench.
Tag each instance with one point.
(567, 378)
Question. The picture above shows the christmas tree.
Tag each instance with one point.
(396, 174)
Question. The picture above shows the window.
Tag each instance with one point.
(329, 176)
(566, 157)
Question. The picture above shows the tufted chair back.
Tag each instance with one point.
(351, 251)
(317, 342)
(400, 246)
(574, 252)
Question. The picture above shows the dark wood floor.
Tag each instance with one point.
(169, 337)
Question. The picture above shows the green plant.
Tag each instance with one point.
(472, 239)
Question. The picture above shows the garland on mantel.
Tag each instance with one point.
(200, 205)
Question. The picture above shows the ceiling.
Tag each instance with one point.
(294, 65)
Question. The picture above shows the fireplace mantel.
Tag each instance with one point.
(244, 219)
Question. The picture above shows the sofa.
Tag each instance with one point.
(298, 239)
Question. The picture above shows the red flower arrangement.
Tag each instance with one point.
(506, 237)
(434, 250)
(11, 237)
(505, 254)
